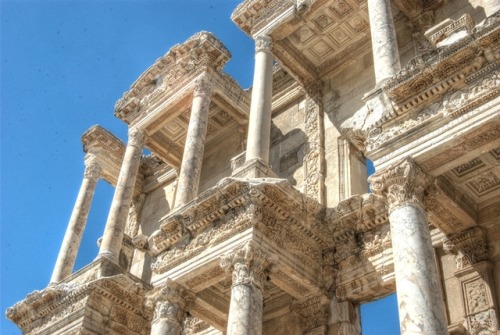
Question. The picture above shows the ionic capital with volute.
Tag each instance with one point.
(402, 183)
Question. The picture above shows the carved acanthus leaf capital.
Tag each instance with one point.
(263, 43)
(401, 183)
(169, 302)
(92, 171)
(249, 264)
(137, 137)
(470, 247)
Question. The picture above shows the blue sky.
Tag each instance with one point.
(63, 65)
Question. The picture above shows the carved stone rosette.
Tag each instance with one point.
(402, 183)
(250, 266)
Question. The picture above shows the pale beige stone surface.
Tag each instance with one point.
(287, 196)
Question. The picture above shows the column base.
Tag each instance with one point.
(255, 168)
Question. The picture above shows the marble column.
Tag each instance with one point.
(421, 309)
(384, 43)
(76, 226)
(259, 127)
(189, 174)
(249, 271)
(117, 217)
(170, 310)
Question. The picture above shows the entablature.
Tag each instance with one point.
(106, 150)
(159, 101)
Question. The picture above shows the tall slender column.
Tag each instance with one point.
(76, 226)
(249, 268)
(384, 43)
(189, 175)
(117, 218)
(259, 127)
(170, 310)
(421, 309)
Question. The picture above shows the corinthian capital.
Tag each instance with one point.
(249, 265)
(169, 302)
(136, 137)
(263, 43)
(403, 182)
(92, 171)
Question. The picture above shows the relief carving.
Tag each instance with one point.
(249, 265)
(403, 182)
(470, 247)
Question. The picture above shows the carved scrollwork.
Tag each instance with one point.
(403, 182)
(92, 171)
(249, 265)
(312, 312)
(263, 43)
(470, 247)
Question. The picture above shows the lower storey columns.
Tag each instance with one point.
(249, 268)
(421, 309)
(117, 218)
(76, 226)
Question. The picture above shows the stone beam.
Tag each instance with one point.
(171, 71)
(106, 149)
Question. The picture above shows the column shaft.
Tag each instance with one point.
(259, 127)
(117, 218)
(245, 307)
(384, 43)
(419, 296)
(76, 226)
(421, 308)
(189, 175)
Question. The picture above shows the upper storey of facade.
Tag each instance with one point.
(159, 101)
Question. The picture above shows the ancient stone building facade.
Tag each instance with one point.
(252, 214)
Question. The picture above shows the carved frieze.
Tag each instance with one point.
(107, 297)
(312, 313)
(232, 207)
